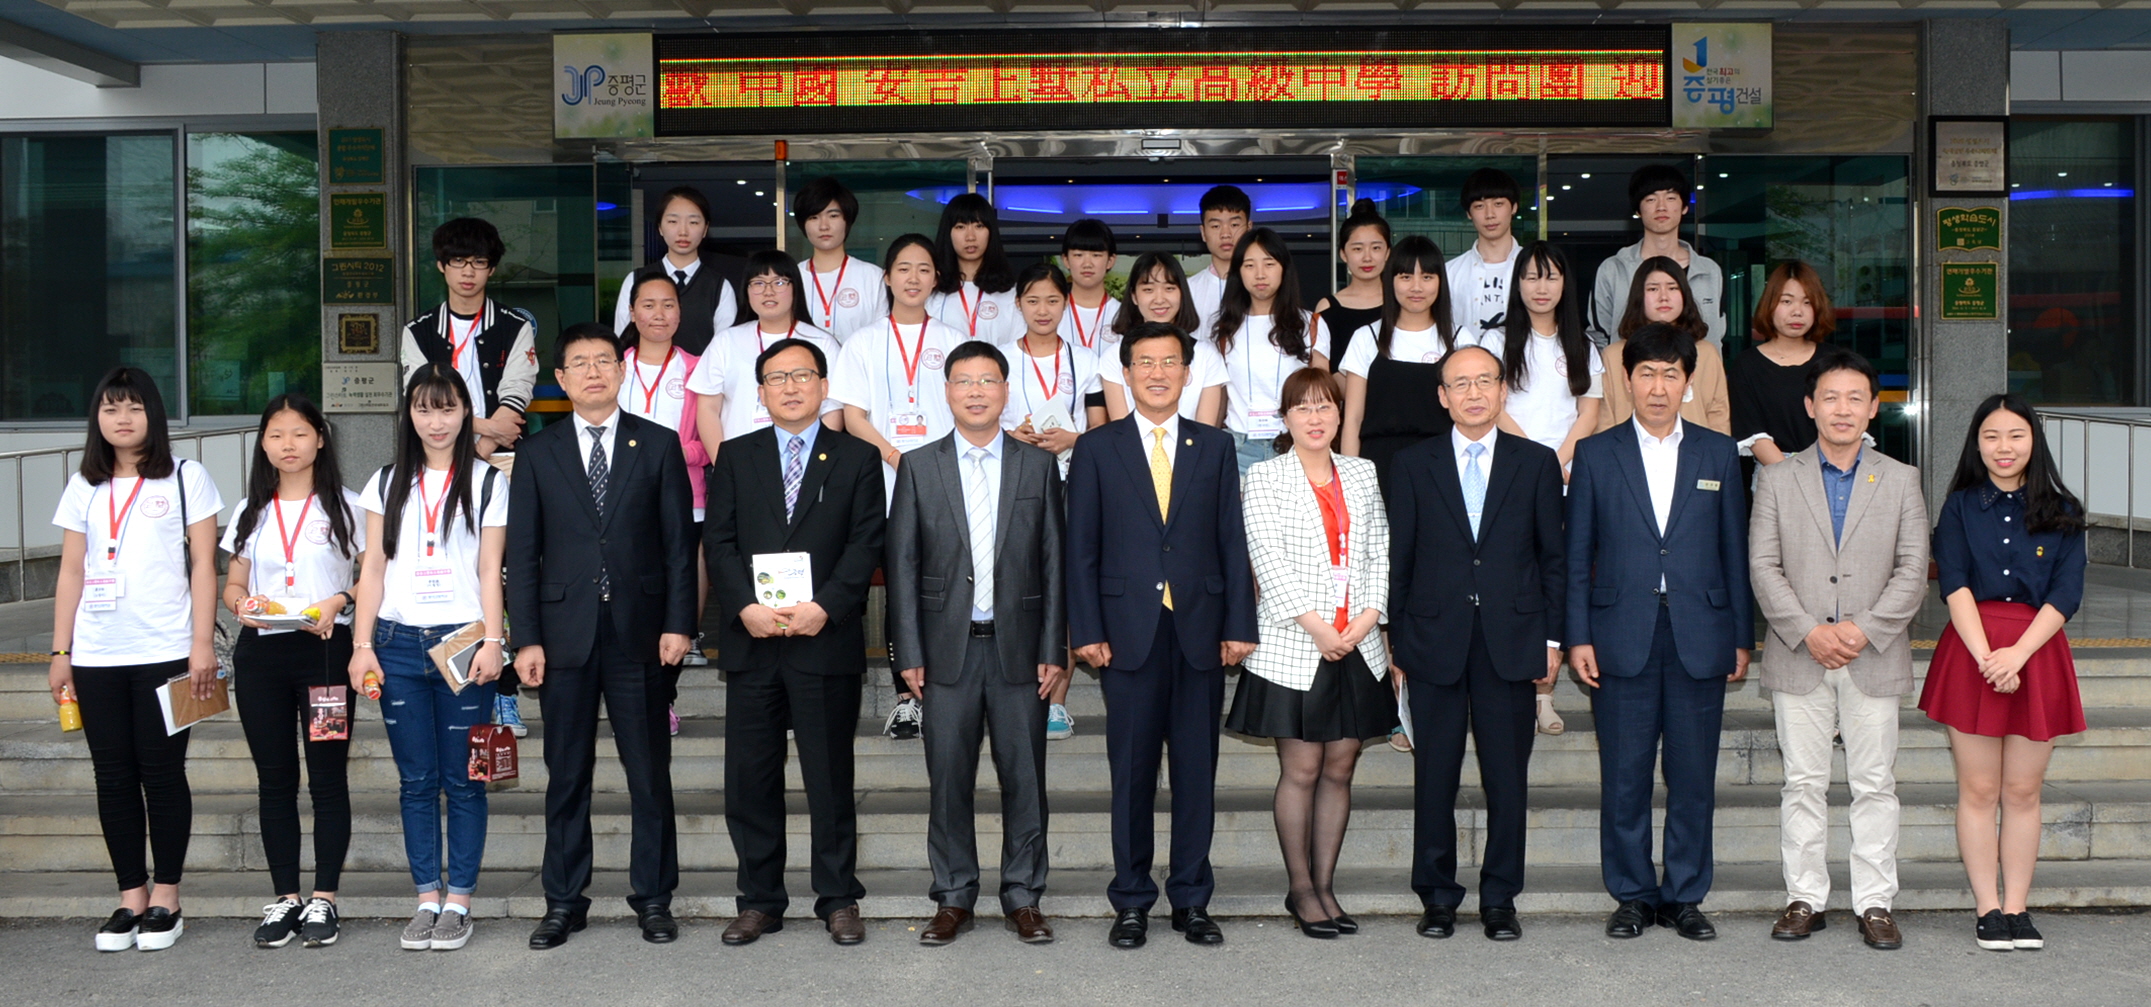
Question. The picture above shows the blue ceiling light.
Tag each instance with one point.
(2072, 194)
(1104, 199)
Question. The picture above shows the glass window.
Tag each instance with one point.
(253, 270)
(2072, 261)
(86, 258)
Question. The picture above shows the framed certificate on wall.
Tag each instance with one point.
(1971, 155)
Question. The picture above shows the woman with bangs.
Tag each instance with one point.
(1391, 366)
(975, 292)
(1660, 293)
(1768, 382)
(436, 528)
(1554, 373)
(1158, 292)
(727, 402)
(1264, 335)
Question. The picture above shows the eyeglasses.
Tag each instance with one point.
(1146, 364)
(599, 364)
(1484, 383)
(1314, 410)
(462, 262)
(769, 284)
(778, 379)
(982, 384)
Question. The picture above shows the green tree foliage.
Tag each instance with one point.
(253, 269)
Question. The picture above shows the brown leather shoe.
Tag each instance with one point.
(1798, 921)
(845, 927)
(750, 925)
(1030, 926)
(948, 923)
(1879, 929)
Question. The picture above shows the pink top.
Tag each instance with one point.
(698, 456)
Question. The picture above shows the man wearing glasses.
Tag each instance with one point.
(793, 533)
(1476, 558)
(493, 346)
(1161, 597)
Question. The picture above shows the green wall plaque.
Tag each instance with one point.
(1971, 291)
(371, 280)
(1968, 227)
(357, 157)
(358, 220)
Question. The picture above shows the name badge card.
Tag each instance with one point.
(1264, 423)
(1340, 586)
(761, 414)
(433, 585)
(101, 592)
(907, 430)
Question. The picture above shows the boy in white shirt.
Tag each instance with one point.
(1479, 276)
(1227, 213)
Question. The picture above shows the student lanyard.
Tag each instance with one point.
(911, 360)
(1097, 321)
(455, 356)
(290, 540)
(828, 298)
(433, 510)
(649, 391)
(118, 519)
(763, 344)
(970, 314)
(1054, 388)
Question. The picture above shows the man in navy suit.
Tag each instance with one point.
(1161, 598)
(1657, 539)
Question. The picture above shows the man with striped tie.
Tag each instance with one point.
(1476, 558)
(793, 494)
(975, 617)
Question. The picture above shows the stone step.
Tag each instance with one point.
(1249, 894)
(2099, 821)
(2117, 746)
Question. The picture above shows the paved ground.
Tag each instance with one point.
(2092, 959)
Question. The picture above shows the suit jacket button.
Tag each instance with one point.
(1665, 552)
(968, 579)
(1833, 580)
(1168, 548)
(1161, 585)
(1829, 618)
(1474, 562)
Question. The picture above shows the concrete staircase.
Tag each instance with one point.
(2096, 849)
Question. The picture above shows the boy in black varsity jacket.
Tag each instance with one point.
(492, 345)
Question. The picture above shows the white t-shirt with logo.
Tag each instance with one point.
(1208, 291)
(1479, 293)
(1207, 371)
(844, 300)
(1412, 346)
(316, 569)
(1544, 407)
(135, 606)
(1092, 328)
(899, 384)
(727, 369)
(440, 589)
(989, 317)
(655, 389)
(1255, 371)
(1070, 375)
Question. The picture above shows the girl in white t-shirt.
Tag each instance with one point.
(1554, 373)
(1392, 368)
(890, 375)
(1088, 252)
(135, 609)
(659, 386)
(729, 401)
(294, 541)
(848, 292)
(436, 524)
(1051, 379)
(1265, 336)
(1158, 292)
(975, 291)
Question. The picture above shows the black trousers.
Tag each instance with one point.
(823, 713)
(141, 773)
(1164, 703)
(271, 676)
(636, 696)
(1501, 717)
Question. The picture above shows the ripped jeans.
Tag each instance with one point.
(428, 727)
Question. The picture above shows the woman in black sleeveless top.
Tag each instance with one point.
(1392, 368)
(1363, 247)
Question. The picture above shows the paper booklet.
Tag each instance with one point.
(182, 710)
(783, 579)
(454, 654)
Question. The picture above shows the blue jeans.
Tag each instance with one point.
(1251, 450)
(428, 727)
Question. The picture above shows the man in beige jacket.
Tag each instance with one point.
(1838, 556)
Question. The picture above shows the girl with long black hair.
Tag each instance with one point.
(2010, 550)
(293, 543)
(1363, 246)
(1553, 371)
(975, 293)
(1393, 365)
(1264, 336)
(436, 524)
(1159, 291)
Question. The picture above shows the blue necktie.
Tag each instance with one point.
(1474, 486)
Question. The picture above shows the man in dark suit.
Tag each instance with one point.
(975, 616)
(793, 487)
(1476, 554)
(601, 596)
(1161, 598)
(1660, 617)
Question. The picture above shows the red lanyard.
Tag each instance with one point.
(1053, 388)
(433, 510)
(290, 540)
(649, 391)
(112, 540)
(763, 344)
(911, 360)
(828, 310)
(455, 355)
(1097, 321)
(970, 314)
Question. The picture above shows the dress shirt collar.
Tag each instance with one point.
(675, 270)
(1143, 428)
(786, 437)
(1460, 443)
(1829, 468)
(1990, 493)
(611, 423)
(1671, 440)
(995, 448)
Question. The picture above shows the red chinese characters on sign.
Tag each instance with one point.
(943, 87)
(1216, 83)
(1052, 83)
(889, 87)
(1455, 82)
(1639, 80)
(1269, 83)
(814, 87)
(763, 88)
(1380, 80)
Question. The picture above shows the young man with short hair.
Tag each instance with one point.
(1479, 275)
(1227, 213)
(844, 292)
(1661, 196)
(493, 346)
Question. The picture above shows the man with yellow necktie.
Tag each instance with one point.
(1160, 600)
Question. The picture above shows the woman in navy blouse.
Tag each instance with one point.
(2010, 548)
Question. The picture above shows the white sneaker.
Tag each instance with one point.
(118, 932)
(904, 720)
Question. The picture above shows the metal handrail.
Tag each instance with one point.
(2131, 420)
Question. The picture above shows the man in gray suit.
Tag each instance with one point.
(975, 613)
(1838, 556)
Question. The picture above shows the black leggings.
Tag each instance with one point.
(272, 674)
(141, 772)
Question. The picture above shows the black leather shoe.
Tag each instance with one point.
(1687, 920)
(1320, 929)
(1195, 924)
(1345, 923)
(1500, 923)
(1437, 922)
(658, 926)
(1630, 920)
(1130, 929)
(553, 930)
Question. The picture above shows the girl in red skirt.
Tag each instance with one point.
(2010, 549)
